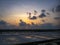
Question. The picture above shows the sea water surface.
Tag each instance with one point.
(10, 38)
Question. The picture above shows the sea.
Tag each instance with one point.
(10, 38)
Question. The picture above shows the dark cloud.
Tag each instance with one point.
(58, 8)
(35, 12)
(32, 18)
(57, 18)
(47, 26)
(5, 25)
(53, 10)
(42, 14)
(48, 13)
(2, 22)
(43, 10)
(22, 23)
(44, 26)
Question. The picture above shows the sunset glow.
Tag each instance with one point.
(12, 11)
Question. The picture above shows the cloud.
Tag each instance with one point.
(32, 18)
(53, 10)
(48, 13)
(57, 18)
(47, 26)
(5, 25)
(2, 22)
(42, 14)
(35, 12)
(23, 25)
(58, 8)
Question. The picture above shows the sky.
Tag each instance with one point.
(12, 11)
